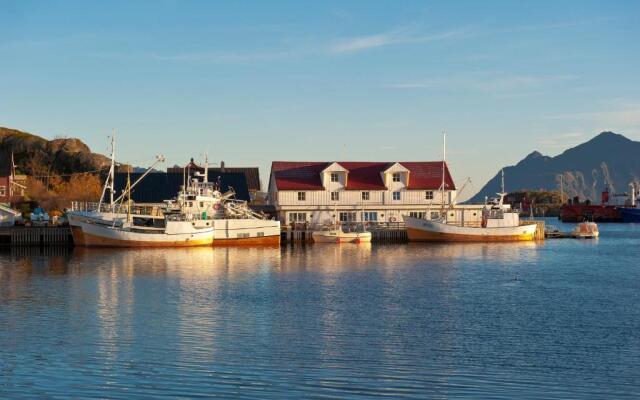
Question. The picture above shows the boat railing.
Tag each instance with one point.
(115, 208)
(466, 224)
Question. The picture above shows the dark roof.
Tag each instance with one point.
(159, 186)
(252, 174)
(305, 175)
(5, 163)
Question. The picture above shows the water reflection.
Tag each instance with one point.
(326, 320)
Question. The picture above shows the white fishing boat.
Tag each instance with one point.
(585, 230)
(335, 234)
(499, 223)
(234, 222)
(198, 215)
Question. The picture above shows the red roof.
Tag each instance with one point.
(305, 175)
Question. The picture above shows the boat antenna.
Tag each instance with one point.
(502, 193)
(108, 183)
(206, 168)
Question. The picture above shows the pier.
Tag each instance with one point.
(36, 236)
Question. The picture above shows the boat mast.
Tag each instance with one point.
(128, 191)
(206, 168)
(444, 157)
(108, 183)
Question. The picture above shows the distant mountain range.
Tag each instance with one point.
(35, 155)
(609, 159)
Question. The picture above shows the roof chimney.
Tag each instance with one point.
(221, 166)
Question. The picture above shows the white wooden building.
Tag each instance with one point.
(318, 192)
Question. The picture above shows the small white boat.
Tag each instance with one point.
(585, 230)
(335, 234)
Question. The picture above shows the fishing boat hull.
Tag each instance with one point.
(246, 232)
(179, 234)
(420, 230)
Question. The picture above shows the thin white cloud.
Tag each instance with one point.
(222, 58)
(485, 82)
(627, 115)
(404, 35)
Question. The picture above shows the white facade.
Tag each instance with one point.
(342, 204)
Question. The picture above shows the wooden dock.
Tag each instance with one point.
(36, 236)
(392, 232)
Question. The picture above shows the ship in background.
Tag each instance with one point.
(631, 212)
(626, 209)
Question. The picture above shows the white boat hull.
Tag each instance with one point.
(420, 230)
(246, 232)
(88, 233)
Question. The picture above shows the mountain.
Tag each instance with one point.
(607, 159)
(35, 155)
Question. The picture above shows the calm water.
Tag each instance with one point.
(553, 320)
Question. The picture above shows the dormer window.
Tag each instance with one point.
(334, 177)
(396, 177)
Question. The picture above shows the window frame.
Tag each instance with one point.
(335, 196)
(336, 175)
(396, 175)
(396, 194)
(346, 215)
(428, 195)
(365, 216)
(302, 196)
(294, 216)
(365, 196)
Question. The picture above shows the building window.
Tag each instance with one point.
(428, 195)
(365, 196)
(396, 195)
(335, 196)
(297, 217)
(3, 191)
(302, 196)
(347, 216)
(370, 216)
(334, 177)
(396, 177)
(417, 214)
(435, 215)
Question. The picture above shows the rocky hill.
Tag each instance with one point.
(609, 159)
(35, 155)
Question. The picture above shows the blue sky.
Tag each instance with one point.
(251, 82)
